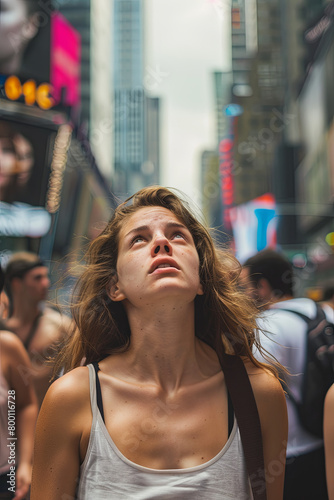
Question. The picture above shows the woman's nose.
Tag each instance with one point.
(161, 245)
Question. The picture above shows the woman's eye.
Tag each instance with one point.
(178, 235)
(137, 239)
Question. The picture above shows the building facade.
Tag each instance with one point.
(136, 139)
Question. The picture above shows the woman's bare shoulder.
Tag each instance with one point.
(65, 417)
(267, 389)
(69, 391)
(268, 393)
(329, 400)
(260, 377)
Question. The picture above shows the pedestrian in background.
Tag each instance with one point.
(282, 333)
(329, 441)
(18, 414)
(39, 327)
(148, 417)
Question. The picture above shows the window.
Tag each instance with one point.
(236, 18)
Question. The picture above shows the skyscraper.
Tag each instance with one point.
(257, 68)
(134, 168)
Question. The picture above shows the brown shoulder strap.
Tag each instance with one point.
(238, 384)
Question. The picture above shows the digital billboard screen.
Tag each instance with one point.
(40, 55)
(25, 39)
(254, 226)
(25, 159)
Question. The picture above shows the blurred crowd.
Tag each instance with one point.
(30, 333)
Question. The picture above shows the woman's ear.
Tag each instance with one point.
(115, 293)
(200, 290)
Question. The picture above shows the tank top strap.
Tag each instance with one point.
(98, 389)
(96, 395)
(230, 413)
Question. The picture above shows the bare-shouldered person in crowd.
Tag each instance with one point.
(39, 327)
(18, 414)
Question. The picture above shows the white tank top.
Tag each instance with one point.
(106, 474)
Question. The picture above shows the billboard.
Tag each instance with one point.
(25, 40)
(65, 61)
(39, 56)
(25, 160)
(226, 163)
(254, 226)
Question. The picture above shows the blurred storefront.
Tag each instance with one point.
(315, 171)
(282, 72)
(50, 185)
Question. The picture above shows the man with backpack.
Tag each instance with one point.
(287, 329)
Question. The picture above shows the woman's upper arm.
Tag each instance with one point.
(271, 405)
(329, 441)
(64, 414)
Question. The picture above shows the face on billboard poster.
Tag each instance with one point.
(40, 54)
(25, 157)
(24, 39)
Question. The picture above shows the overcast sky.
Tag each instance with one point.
(185, 42)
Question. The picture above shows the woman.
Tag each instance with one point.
(329, 440)
(16, 162)
(155, 299)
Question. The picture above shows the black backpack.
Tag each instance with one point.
(318, 371)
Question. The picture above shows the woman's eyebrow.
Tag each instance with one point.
(176, 224)
(146, 227)
(136, 230)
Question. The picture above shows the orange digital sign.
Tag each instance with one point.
(32, 93)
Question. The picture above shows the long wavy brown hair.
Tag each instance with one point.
(101, 325)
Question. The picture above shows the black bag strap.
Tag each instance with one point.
(246, 412)
(320, 315)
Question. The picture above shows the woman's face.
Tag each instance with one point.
(16, 29)
(8, 161)
(25, 156)
(157, 259)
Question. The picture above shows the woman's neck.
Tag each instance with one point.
(164, 350)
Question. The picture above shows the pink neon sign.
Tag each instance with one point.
(65, 61)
